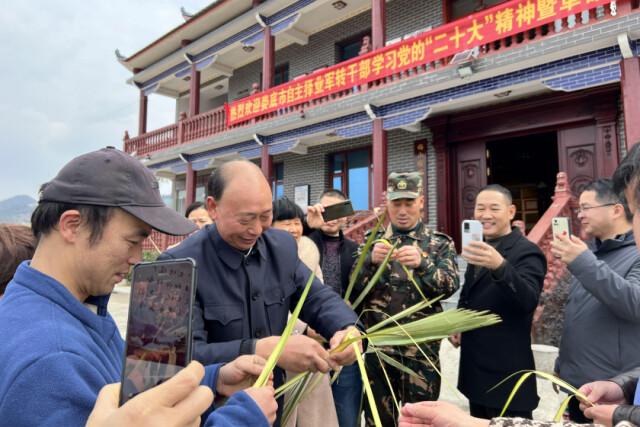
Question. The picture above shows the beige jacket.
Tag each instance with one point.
(317, 409)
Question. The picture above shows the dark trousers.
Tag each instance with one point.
(575, 414)
(481, 411)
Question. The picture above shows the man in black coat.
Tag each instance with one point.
(505, 276)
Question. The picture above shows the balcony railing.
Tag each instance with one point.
(215, 121)
(564, 205)
(186, 130)
(357, 225)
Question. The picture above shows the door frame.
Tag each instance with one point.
(598, 107)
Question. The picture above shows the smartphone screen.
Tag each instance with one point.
(158, 343)
(339, 210)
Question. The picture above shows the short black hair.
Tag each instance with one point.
(498, 189)
(606, 193)
(192, 207)
(47, 215)
(285, 209)
(333, 192)
(628, 172)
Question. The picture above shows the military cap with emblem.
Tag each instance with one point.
(404, 185)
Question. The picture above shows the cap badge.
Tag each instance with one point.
(402, 185)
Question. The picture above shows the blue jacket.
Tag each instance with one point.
(57, 354)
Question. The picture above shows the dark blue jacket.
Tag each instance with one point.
(241, 299)
(57, 354)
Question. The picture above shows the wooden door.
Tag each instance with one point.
(577, 156)
(471, 176)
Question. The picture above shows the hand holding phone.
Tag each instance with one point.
(158, 343)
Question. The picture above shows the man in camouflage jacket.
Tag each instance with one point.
(427, 255)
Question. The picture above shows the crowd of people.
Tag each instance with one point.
(254, 258)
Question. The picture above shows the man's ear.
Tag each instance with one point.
(69, 225)
(212, 208)
(618, 211)
(512, 211)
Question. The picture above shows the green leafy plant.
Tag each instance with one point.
(363, 255)
(524, 375)
(275, 355)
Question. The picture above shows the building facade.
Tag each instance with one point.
(326, 93)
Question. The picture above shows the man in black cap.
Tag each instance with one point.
(60, 346)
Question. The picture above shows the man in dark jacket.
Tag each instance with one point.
(337, 253)
(336, 259)
(250, 278)
(505, 276)
(604, 292)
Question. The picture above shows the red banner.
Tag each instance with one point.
(484, 27)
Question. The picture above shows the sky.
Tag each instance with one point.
(63, 93)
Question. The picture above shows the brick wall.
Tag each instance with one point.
(403, 17)
(312, 168)
(206, 104)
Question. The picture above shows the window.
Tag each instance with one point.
(281, 74)
(350, 172)
(350, 48)
(180, 202)
(201, 193)
(277, 181)
(460, 8)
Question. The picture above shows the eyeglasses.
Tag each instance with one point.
(588, 208)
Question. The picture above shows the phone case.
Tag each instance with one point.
(339, 210)
(559, 225)
(188, 317)
(471, 231)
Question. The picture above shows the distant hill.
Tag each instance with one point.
(17, 209)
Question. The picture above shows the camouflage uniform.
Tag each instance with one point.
(394, 292)
(521, 422)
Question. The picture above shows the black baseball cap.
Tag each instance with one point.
(110, 177)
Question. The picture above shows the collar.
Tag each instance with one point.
(616, 242)
(230, 255)
(49, 288)
(508, 240)
(415, 233)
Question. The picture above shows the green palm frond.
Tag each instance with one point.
(524, 375)
(363, 255)
(275, 355)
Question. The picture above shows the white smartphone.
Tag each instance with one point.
(559, 225)
(471, 231)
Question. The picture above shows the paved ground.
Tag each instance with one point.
(449, 356)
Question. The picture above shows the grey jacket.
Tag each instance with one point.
(601, 335)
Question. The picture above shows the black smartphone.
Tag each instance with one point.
(159, 338)
(339, 210)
